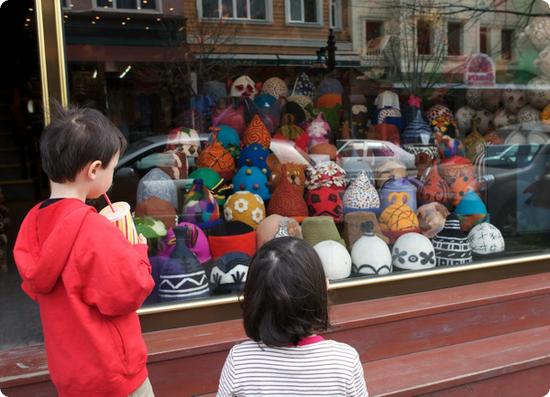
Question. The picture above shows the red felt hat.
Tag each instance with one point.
(230, 237)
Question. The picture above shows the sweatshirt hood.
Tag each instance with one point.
(45, 242)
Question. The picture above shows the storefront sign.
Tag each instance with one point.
(479, 71)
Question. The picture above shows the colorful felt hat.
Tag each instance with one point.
(327, 101)
(252, 179)
(413, 251)
(293, 172)
(437, 111)
(320, 228)
(243, 87)
(229, 138)
(474, 143)
(448, 146)
(196, 242)
(398, 218)
(318, 130)
(287, 199)
(459, 173)
(431, 218)
(327, 174)
(402, 186)
(303, 86)
(292, 132)
(486, 239)
(434, 187)
(157, 183)
(417, 131)
(335, 259)
(275, 226)
(353, 230)
(185, 140)
(275, 87)
(182, 276)
(213, 181)
(158, 209)
(256, 132)
(228, 274)
(370, 254)
(330, 85)
(471, 210)
(230, 237)
(245, 207)
(326, 201)
(451, 245)
(199, 204)
(218, 158)
(361, 195)
(254, 155)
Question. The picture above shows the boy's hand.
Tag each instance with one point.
(142, 239)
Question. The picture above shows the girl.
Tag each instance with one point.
(285, 304)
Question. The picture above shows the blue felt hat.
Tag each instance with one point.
(471, 204)
(252, 179)
(254, 155)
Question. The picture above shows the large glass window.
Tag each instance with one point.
(127, 4)
(424, 35)
(303, 11)
(454, 38)
(235, 9)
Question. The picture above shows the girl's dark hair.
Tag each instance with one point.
(285, 295)
(76, 137)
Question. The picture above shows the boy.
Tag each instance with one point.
(86, 277)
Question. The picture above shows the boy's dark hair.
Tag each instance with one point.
(285, 295)
(76, 137)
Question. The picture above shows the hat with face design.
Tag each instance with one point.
(413, 251)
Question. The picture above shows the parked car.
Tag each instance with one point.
(358, 155)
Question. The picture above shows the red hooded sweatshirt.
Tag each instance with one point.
(89, 281)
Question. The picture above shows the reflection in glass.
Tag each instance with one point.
(296, 10)
(310, 11)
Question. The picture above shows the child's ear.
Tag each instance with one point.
(93, 168)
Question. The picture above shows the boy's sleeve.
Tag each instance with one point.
(227, 378)
(115, 275)
(357, 386)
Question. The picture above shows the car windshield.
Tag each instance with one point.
(510, 156)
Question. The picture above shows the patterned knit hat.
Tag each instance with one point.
(413, 251)
(370, 254)
(158, 209)
(318, 130)
(229, 272)
(185, 140)
(361, 195)
(156, 183)
(303, 86)
(353, 229)
(199, 204)
(327, 174)
(417, 131)
(232, 236)
(398, 218)
(402, 186)
(213, 181)
(459, 173)
(434, 187)
(326, 201)
(486, 239)
(218, 158)
(245, 207)
(229, 138)
(451, 245)
(196, 242)
(275, 226)
(320, 228)
(335, 259)
(275, 87)
(252, 179)
(256, 133)
(254, 155)
(292, 132)
(287, 199)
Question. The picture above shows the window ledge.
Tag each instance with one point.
(237, 20)
(305, 24)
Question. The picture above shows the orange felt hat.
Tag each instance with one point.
(329, 100)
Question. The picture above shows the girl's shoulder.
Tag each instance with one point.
(327, 345)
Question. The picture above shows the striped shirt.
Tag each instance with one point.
(324, 368)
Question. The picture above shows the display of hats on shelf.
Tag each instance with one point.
(275, 226)
(232, 236)
(181, 276)
(352, 227)
(228, 273)
(245, 207)
(335, 258)
(185, 140)
(486, 239)
(405, 189)
(199, 205)
(256, 132)
(361, 195)
(218, 158)
(320, 228)
(157, 183)
(471, 210)
(398, 218)
(434, 187)
(370, 255)
(213, 181)
(252, 179)
(417, 131)
(431, 218)
(413, 251)
(451, 244)
(254, 155)
(196, 242)
(243, 87)
(275, 87)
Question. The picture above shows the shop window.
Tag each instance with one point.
(454, 38)
(484, 40)
(134, 5)
(424, 32)
(506, 38)
(373, 30)
(335, 14)
(234, 9)
(303, 11)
